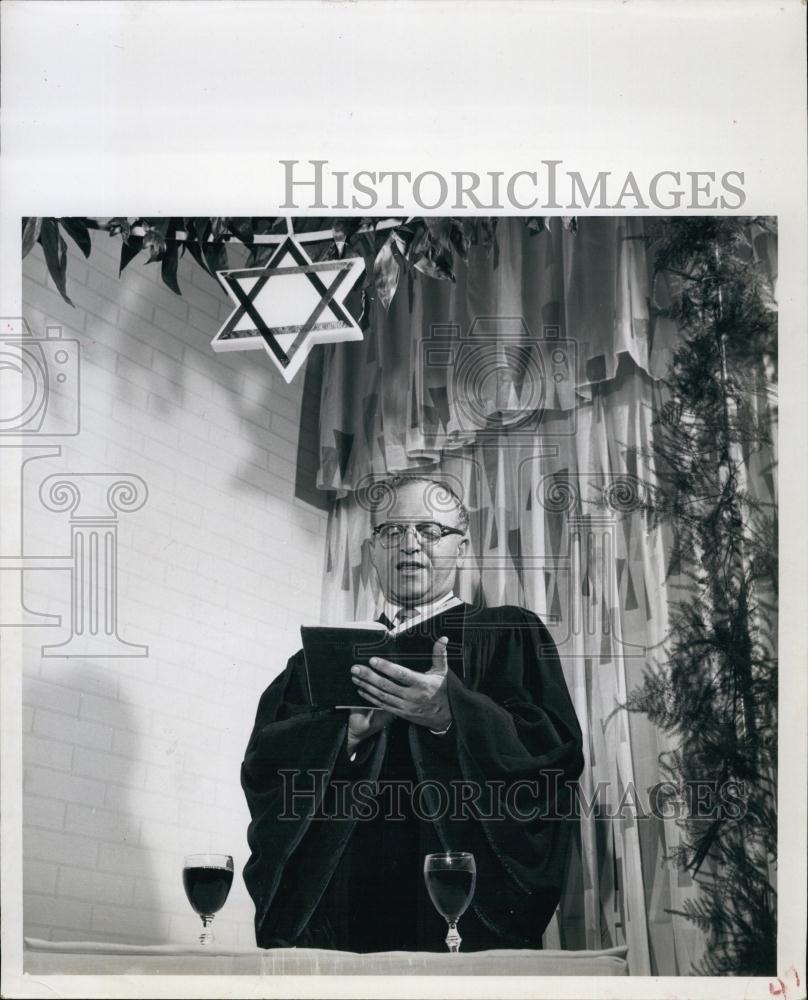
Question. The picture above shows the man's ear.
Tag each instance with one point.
(461, 548)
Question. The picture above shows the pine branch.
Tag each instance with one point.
(716, 692)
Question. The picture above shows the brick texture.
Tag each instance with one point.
(132, 763)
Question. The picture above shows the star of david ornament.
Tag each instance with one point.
(289, 305)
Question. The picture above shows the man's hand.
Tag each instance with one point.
(418, 698)
(363, 723)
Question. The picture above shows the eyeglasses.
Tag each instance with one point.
(429, 532)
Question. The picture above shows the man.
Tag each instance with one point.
(473, 755)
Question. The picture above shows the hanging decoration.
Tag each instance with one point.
(289, 305)
(268, 289)
(391, 247)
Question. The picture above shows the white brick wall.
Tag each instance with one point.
(132, 763)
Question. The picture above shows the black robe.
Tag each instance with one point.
(321, 877)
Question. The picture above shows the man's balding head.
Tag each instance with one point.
(413, 567)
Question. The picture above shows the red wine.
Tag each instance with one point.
(451, 890)
(207, 888)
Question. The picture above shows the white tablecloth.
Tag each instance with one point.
(95, 958)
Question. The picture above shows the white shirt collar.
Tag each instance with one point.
(421, 611)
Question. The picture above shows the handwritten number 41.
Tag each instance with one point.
(780, 990)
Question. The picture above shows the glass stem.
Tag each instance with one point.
(453, 939)
(206, 937)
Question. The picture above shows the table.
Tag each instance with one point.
(97, 958)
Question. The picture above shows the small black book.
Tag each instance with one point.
(331, 650)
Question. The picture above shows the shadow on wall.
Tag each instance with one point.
(154, 347)
(119, 786)
(85, 866)
(116, 788)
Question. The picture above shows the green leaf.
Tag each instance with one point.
(438, 229)
(242, 228)
(55, 250)
(260, 254)
(31, 228)
(386, 273)
(436, 264)
(77, 230)
(130, 248)
(215, 255)
(366, 243)
(218, 227)
(264, 225)
(484, 232)
(201, 249)
(430, 251)
(195, 250)
(415, 237)
(201, 227)
(459, 237)
(119, 225)
(168, 267)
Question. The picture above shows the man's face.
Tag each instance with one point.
(412, 571)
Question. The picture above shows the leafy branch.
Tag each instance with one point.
(391, 247)
(716, 693)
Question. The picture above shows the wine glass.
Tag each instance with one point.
(207, 879)
(450, 879)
